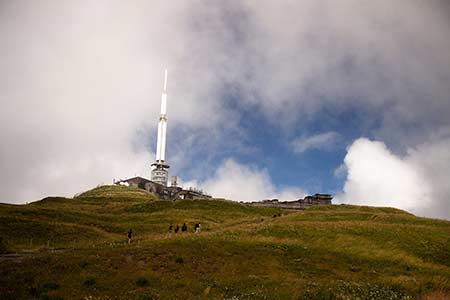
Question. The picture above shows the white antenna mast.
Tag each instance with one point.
(165, 80)
(159, 173)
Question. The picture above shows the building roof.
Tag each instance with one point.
(139, 179)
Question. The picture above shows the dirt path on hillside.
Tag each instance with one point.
(14, 257)
(20, 256)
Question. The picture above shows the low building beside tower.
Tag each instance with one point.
(313, 200)
(171, 192)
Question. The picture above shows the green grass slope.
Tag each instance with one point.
(62, 248)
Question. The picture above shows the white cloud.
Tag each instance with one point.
(322, 141)
(243, 183)
(433, 162)
(340, 171)
(78, 82)
(417, 181)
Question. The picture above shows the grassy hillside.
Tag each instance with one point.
(62, 248)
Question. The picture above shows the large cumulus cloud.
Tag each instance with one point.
(417, 181)
(378, 177)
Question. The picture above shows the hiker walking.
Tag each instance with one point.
(184, 227)
(129, 236)
(177, 228)
(170, 228)
(197, 228)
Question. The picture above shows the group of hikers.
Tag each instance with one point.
(184, 228)
(175, 229)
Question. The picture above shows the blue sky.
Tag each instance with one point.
(265, 98)
(266, 143)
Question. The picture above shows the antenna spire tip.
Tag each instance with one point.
(165, 79)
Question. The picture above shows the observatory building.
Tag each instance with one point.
(159, 173)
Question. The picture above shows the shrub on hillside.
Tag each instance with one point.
(142, 281)
(179, 260)
(88, 282)
(83, 264)
(50, 286)
(2, 246)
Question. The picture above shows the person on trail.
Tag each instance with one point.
(197, 228)
(129, 236)
(177, 228)
(184, 227)
(170, 228)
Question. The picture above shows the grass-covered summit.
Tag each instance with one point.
(61, 248)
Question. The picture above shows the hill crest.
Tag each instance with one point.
(72, 248)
